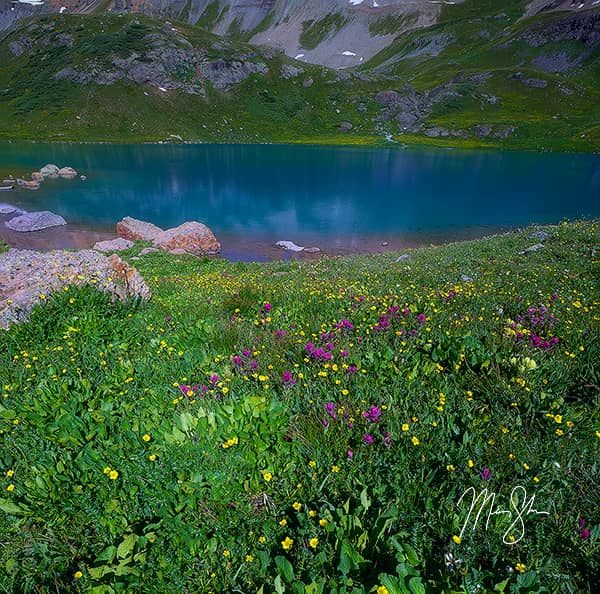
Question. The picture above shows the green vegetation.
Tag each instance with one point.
(392, 24)
(482, 70)
(311, 427)
(212, 15)
(314, 32)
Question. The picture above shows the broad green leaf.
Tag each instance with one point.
(126, 547)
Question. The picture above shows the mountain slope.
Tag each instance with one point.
(473, 79)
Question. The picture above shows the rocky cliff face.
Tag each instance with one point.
(335, 33)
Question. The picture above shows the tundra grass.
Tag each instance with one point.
(312, 427)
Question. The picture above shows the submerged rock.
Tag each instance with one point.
(134, 230)
(35, 221)
(191, 237)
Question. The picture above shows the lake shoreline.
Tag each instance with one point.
(396, 144)
(75, 236)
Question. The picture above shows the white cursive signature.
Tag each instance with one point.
(521, 506)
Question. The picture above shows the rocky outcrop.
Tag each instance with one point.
(113, 245)
(28, 278)
(10, 209)
(135, 230)
(290, 246)
(67, 172)
(191, 237)
(35, 221)
(49, 170)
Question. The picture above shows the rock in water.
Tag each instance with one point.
(37, 176)
(49, 170)
(9, 209)
(134, 230)
(191, 237)
(35, 221)
(113, 245)
(67, 172)
(289, 245)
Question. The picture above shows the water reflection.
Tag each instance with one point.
(310, 193)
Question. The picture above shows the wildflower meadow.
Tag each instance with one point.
(344, 425)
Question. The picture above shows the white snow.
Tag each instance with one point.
(355, 2)
(299, 56)
(162, 89)
(347, 53)
(62, 9)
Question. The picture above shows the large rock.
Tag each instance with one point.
(135, 230)
(28, 185)
(191, 237)
(35, 221)
(290, 246)
(10, 209)
(28, 278)
(113, 245)
(49, 170)
(67, 172)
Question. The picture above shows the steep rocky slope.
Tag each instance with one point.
(476, 78)
(335, 33)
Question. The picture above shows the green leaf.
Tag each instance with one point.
(364, 499)
(416, 585)
(285, 568)
(108, 554)
(9, 507)
(126, 547)
(279, 587)
(411, 555)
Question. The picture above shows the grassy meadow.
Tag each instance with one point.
(311, 427)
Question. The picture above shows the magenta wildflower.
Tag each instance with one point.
(368, 439)
(582, 522)
(585, 534)
(350, 454)
(287, 379)
(387, 439)
(267, 307)
(373, 414)
(486, 474)
(421, 317)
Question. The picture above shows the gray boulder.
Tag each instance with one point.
(35, 221)
(290, 246)
(49, 170)
(10, 209)
(540, 235)
(113, 245)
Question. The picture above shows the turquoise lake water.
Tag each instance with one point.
(340, 199)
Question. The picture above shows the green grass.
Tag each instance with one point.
(162, 447)
(315, 32)
(392, 24)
